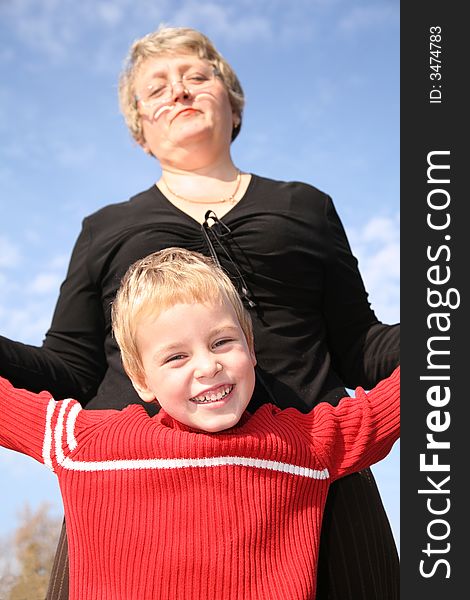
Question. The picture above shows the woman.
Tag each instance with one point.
(285, 248)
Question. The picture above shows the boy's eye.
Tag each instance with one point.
(222, 342)
(175, 358)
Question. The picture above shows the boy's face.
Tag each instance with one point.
(197, 364)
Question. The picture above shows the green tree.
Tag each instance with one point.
(7, 576)
(34, 544)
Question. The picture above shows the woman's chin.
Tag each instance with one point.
(190, 131)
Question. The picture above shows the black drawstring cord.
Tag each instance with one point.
(207, 231)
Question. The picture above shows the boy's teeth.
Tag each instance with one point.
(212, 396)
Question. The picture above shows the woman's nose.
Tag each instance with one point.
(179, 90)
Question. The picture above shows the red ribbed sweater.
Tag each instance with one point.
(155, 510)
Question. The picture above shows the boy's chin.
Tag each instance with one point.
(222, 424)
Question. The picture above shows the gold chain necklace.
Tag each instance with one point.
(230, 198)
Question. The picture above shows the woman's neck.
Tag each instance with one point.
(218, 186)
(213, 180)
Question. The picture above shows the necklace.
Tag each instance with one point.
(230, 198)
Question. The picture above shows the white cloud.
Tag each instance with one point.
(10, 254)
(54, 27)
(59, 262)
(28, 294)
(73, 155)
(110, 12)
(381, 229)
(376, 246)
(61, 148)
(60, 28)
(373, 15)
(44, 283)
(223, 19)
(29, 483)
(64, 30)
(41, 26)
(27, 324)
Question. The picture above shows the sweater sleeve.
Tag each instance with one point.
(23, 419)
(363, 349)
(71, 360)
(360, 430)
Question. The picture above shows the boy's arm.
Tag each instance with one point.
(360, 431)
(23, 419)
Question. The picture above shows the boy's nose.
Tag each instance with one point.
(207, 367)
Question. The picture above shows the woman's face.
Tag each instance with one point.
(184, 107)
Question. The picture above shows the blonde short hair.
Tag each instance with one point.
(173, 41)
(161, 280)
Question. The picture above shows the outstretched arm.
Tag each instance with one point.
(71, 361)
(360, 430)
(23, 417)
(363, 349)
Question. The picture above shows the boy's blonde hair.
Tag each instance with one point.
(173, 41)
(161, 280)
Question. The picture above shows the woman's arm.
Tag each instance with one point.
(363, 349)
(71, 362)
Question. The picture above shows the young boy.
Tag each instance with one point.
(203, 501)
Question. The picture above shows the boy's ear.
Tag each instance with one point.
(253, 356)
(144, 392)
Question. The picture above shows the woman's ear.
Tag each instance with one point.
(141, 141)
(145, 148)
(236, 120)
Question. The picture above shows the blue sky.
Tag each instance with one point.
(321, 79)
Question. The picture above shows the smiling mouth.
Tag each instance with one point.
(213, 396)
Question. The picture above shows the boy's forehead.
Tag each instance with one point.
(162, 305)
(210, 315)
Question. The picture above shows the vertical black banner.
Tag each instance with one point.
(435, 253)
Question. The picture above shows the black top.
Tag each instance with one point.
(314, 329)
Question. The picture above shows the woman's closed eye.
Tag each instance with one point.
(157, 90)
(196, 78)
